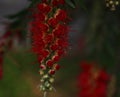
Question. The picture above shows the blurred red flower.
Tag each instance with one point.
(44, 8)
(61, 15)
(90, 84)
(53, 22)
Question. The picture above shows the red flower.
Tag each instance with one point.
(44, 53)
(57, 67)
(60, 52)
(52, 72)
(42, 26)
(103, 76)
(49, 63)
(61, 15)
(84, 78)
(54, 47)
(40, 58)
(56, 58)
(38, 43)
(44, 8)
(53, 22)
(39, 17)
(61, 31)
(85, 93)
(38, 26)
(38, 36)
(62, 43)
(49, 39)
(90, 87)
(101, 90)
(42, 67)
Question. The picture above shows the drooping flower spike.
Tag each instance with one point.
(49, 38)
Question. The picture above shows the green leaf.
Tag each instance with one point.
(71, 3)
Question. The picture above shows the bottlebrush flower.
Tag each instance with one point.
(44, 53)
(53, 22)
(84, 80)
(91, 85)
(42, 26)
(43, 67)
(62, 43)
(103, 76)
(40, 17)
(60, 31)
(40, 59)
(57, 67)
(49, 63)
(52, 72)
(54, 47)
(39, 36)
(44, 8)
(60, 52)
(49, 38)
(56, 58)
(61, 15)
(101, 90)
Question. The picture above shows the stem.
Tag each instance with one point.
(45, 94)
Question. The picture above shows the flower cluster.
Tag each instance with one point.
(92, 81)
(49, 38)
(112, 4)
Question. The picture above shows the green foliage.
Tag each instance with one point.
(14, 83)
(71, 3)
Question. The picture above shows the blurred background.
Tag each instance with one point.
(94, 36)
